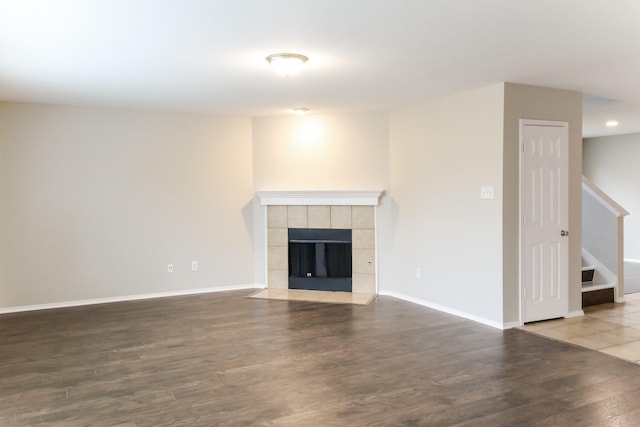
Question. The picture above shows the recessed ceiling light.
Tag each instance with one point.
(612, 123)
(299, 111)
(287, 64)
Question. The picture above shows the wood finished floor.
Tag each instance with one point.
(225, 360)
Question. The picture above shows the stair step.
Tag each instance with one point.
(588, 287)
(602, 296)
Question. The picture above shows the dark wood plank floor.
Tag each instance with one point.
(224, 360)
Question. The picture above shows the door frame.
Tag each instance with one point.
(521, 124)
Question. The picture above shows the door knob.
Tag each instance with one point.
(564, 233)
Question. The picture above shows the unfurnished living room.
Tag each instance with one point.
(319, 213)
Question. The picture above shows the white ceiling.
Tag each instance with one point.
(199, 55)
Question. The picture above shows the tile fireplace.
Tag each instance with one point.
(340, 213)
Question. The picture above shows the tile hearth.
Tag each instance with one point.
(314, 296)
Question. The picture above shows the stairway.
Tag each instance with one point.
(595, 290)
(602, 246)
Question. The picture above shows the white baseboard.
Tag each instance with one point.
(576, 313)
(449, 310)
(77, 303)
(510, 325)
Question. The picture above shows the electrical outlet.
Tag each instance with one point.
(418, 273)
(194, 265)
(170, 268)
(486, 192)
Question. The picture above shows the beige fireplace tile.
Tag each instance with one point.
(362, 217)
(363, 261)
(278, 279)
(314, 296)
(341, 217)
(363, 283)
(278, 258)
(277, 237)
(319, 217)
(277, 216)
(297, 217)
(363, 239)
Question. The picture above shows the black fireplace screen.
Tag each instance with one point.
(320, 259)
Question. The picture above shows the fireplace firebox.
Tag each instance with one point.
(320, 259)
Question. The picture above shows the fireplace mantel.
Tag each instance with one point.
(319, 197)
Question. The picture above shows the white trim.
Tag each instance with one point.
(77, 303)
(448, 310)
(511, 325)
(633, 260)
(590, 288)
(316, 198)
(547, 123)
(577, 313)
(520, 228)
(603, 198)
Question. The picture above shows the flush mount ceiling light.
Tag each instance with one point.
(299, 111)
(287, 64)
(612, 123)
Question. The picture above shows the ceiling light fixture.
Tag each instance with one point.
(287, 64)
(612, 123)
(299, 111)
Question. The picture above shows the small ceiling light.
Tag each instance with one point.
(612, 123)
(299, 111)
(287, 64)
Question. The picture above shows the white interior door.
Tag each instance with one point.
(544, 186)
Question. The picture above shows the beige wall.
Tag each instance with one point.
(442, 152)
(321, 152)
(611, 163)
(95, 203)
(529, 102)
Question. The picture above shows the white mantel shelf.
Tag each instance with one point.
(320, 197)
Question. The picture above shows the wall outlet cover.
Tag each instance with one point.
(486, 192)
